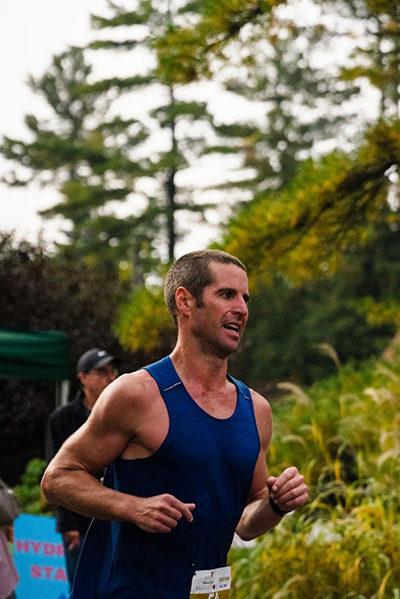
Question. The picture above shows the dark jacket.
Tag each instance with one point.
(61, 423)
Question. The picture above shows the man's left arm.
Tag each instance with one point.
(271, 497)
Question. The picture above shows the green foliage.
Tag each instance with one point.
(144, 322)
(350, 556)
(85, 153)
(193, 46)
(290, 328)
(41, 291)
(323, 262)
(180, 56)
(28, 492)
(355, 311)
(333, 203)
(343, 434)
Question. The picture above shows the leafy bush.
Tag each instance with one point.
(28, 492)
(344, 435)
(346, 554)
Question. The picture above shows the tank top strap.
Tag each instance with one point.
(241, 387)
(164, 373)
(245, 406)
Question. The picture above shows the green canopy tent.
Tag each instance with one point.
(38, 355)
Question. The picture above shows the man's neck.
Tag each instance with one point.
(206, 370)
(205, 379)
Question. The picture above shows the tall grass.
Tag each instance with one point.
(344, 435)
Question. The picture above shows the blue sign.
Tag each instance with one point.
(39, 558)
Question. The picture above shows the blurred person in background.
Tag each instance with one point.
(8, 574)
(95, 369)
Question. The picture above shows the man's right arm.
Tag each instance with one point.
(69, 479)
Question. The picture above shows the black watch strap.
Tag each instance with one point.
(276, 508)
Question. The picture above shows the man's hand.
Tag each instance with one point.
(288, 491)
(72, 538)
(161, 513)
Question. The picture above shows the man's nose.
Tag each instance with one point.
(241, 306)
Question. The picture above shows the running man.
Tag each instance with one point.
(184, 446)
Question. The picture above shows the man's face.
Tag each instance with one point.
(97, 379)
(219, 322)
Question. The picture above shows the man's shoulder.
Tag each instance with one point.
(124, 405)
(131, 382)
(130, 389)
(260, 401)
(263, 414)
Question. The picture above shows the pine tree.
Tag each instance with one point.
(180, 124)
(84, 153)
(303, 106)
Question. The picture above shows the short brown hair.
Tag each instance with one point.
(192, 271)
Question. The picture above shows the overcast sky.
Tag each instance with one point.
(31, 32)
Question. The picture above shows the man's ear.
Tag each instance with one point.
(82, 377)
(184, 300)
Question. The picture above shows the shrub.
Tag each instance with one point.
(28, 492)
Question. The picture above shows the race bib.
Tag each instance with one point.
(211, 584)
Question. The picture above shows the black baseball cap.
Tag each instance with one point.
(94, 358)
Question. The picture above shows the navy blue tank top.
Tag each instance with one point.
(203, 460)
